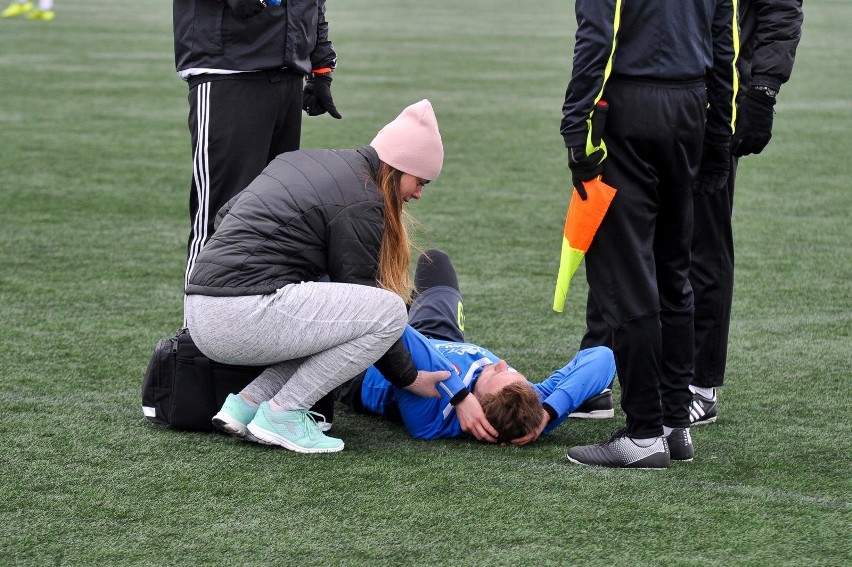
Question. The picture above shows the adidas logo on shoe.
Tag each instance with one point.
(702, 410)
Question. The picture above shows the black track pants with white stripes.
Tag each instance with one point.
(238, 124)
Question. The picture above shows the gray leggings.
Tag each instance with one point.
(314, 335)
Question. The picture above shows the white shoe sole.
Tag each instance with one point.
(627, 468)
(270, 438)
(596, 414)
(704, 421)
(227, 424)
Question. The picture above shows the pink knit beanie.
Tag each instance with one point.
(412, 142)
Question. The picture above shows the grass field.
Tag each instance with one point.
(94, 176)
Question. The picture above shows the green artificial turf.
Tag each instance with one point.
(94, 177)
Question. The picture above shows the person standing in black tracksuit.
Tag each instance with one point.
(246, 62)
(664, 68)
(769, 33)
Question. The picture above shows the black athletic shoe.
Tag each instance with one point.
(702, 410)
(622, 452)
(596, 407)
(680, 444)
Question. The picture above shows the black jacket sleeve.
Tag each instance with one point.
(771, 33)
(397, 366)
(722, 79)
(323, 54)
(593, 49)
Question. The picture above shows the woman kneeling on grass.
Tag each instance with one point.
(255, 296)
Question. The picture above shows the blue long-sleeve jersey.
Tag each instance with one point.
(589, 373)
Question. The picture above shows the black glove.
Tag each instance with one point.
(317, 99)
(754, 125)
(583, 167)
(714, 170)
(246, 9)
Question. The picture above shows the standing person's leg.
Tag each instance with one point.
(678, 168)
(231, 122)
(620, 262)
(597, 332)
(287, 131)
(712, 277)
(672, 255)
(622, 278)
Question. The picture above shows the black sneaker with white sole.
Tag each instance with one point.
(596, 407)
(680, 444)
(621, 451)
(702, 410)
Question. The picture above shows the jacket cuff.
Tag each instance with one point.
(765, 81)
(550, 412)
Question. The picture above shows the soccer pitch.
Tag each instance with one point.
(94, 178)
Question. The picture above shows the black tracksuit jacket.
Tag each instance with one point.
(294, 35)
(770, 31)
(663, 40)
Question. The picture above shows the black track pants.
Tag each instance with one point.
(712, 277)
(638, 264)
(238, 123)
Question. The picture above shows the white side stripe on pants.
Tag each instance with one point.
(201, 176)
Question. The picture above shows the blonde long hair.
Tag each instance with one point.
(395, 254)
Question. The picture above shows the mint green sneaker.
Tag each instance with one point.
(296, 430)
(234, 416)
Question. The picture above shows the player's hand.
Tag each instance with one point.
(535, 434)
(316, 98)
(246, 9)
(584, 167)
(425, 383)
(472, 420)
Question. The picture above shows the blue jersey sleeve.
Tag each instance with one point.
(588, 374)
(424, 418)
(427, 357)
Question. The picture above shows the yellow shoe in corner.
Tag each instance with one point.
(43, 15)
(17, 9)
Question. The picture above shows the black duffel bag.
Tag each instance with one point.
(184, 389)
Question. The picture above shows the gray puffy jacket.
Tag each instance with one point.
(308, 214)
